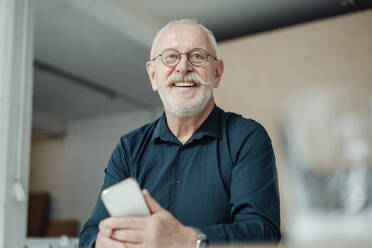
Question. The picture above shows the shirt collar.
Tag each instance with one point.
(159, 132)
(210, 127)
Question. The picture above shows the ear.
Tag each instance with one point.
(151, 71)
(219, 72)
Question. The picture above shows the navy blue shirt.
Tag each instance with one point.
(223, 180)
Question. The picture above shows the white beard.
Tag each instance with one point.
(185, 111)
(189, 108)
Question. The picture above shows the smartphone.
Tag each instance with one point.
(125, 199)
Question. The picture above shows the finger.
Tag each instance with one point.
(138, 223)
(104, 229)
(132, 236)
(104, 241)
(153, 205)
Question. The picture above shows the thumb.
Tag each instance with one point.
(153, 205)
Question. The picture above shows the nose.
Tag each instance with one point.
(184, 66)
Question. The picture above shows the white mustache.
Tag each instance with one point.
(190, 77)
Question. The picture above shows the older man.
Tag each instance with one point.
(210, 175)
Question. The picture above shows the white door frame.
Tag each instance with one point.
(16, 85)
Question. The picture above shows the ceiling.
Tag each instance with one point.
(90, 55)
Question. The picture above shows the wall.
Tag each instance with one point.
(263, 71)
(71, 168)
(16, 53)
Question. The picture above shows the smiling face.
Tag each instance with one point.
(185, 89)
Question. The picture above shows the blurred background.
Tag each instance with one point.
(282, 59)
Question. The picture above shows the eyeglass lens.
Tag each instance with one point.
(171, 57)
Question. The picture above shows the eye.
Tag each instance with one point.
(197, 56)
(172, 56)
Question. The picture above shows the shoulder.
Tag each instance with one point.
(121, 161)
(241, 131)
(130, 142)
(140, 133)
(238, 124)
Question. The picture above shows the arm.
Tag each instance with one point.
(116, 171)
(255, 208)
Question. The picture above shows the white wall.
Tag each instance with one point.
(72, 168)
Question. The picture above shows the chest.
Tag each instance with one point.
(190, 181)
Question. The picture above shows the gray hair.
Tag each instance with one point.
(184, 21)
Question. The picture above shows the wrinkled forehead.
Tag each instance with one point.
(184, 37)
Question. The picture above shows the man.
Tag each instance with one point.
(209, 175)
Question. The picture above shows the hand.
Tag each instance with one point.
(160, 229)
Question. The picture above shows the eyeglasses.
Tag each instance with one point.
(171, 57)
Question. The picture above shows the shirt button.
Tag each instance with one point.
(178, 181)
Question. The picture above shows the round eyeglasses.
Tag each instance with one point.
(171, 57)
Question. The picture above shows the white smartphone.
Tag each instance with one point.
(125, 199)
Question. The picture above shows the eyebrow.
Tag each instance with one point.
(183, 51)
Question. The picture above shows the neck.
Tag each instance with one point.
(184, 127)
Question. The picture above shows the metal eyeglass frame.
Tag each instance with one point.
(188, 56)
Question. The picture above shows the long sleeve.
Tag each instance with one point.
(254, 193)
(116, 171)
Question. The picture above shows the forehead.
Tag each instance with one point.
(183, 37)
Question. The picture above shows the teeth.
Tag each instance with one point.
(184, 84)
